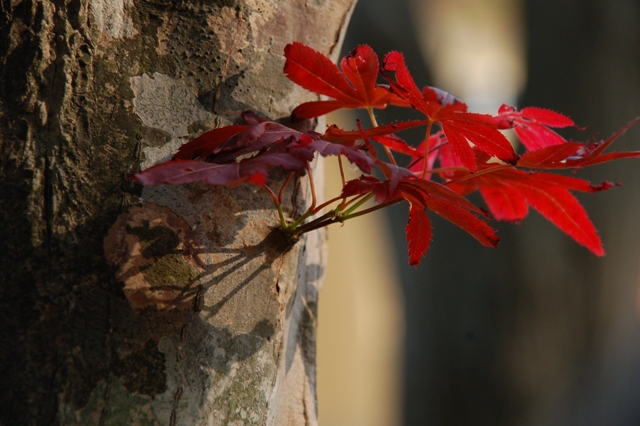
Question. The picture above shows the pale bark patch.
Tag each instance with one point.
(112, 17)
(166, 104)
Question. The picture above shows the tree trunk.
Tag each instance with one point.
(167, 305)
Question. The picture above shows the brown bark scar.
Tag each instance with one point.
(155, 253)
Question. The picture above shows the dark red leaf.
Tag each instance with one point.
(360, 67)
(177, 172)
(546, 117)
(206, 143)
(423, 194)
(560, 207)
(405, 86)
(385, 190)
(252, 139)
(568, 182)
(352, 153)
(315, 72)
(549, 157)
(463, 218)
(394, 175)
(364, 185)
(435, 189)
(285, 160)
(505, 202)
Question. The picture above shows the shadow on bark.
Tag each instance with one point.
(119, 329)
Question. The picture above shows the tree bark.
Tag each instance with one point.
(163, 305)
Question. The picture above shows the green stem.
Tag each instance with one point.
(327, 217)
(326, 203)
(332, 217)
(345, 203)
(371, 209)
(358, 204)
(301, 219)
(311, 227)
(333, 212)
(283, 222)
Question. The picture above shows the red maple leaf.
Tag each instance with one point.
(418, 231)
(574, 155)
(532, 124)
(508, 192)
(459, 126)
(354, 87)
(422, 194)
(451, 206)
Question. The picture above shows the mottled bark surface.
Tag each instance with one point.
(162, 306)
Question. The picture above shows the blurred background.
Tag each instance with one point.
(538, 331)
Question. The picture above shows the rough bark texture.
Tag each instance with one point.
(162, 306)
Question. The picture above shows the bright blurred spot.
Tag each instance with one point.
(474, 48)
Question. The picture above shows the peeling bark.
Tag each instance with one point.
(162, 306)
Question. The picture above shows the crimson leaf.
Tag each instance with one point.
(459, 126)
(354, 87)
(509, 192)
(532, 124)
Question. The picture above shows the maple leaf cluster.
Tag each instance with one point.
(462, 152)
